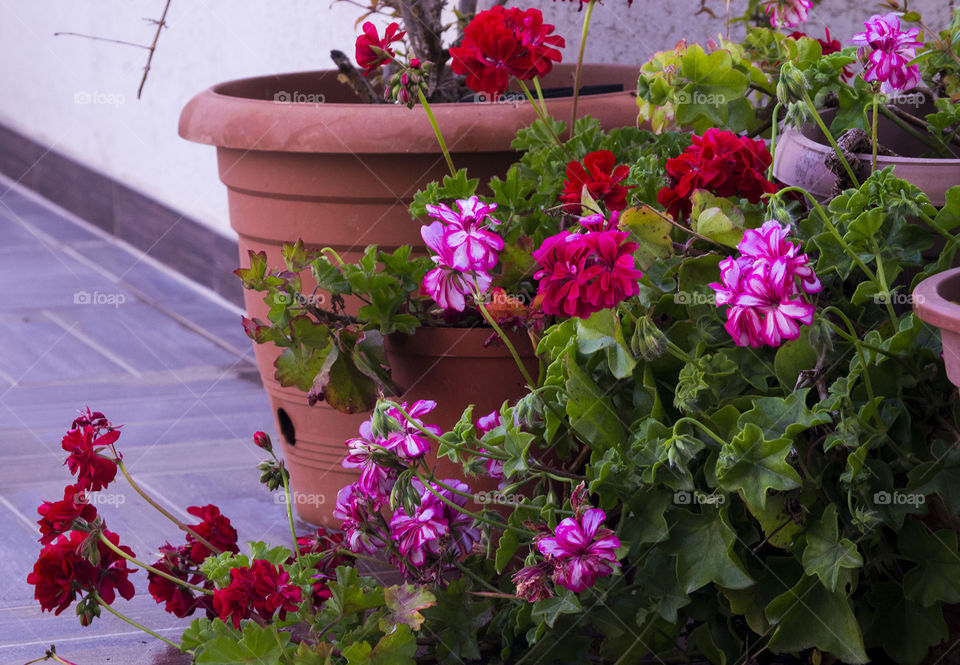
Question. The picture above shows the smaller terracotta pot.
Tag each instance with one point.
(451, 366)
(800, 155)
(935, 302)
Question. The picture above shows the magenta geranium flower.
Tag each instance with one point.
(434, 526)
(583, 273)
(474, 247)
(788, 13)
(887, 51)
(448, 285)
(356, 510)
(375, 480)
(580, 550)
(762, 288)
(409, 442)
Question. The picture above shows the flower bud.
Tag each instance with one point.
(262, 439)
(792, 86)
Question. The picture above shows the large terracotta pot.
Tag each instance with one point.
(451, 366)
(935, 301)
(799, 161)
(342, 174)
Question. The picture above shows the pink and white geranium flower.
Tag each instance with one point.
(474, 247)
(762, 288)
(410, 442)
(788, 13)
(887, 50)
(356, 511)
(448, 284)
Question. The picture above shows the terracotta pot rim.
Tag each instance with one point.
(887, 160)
(932, 306)
(231, 121)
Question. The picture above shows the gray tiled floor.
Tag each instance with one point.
(87, 321)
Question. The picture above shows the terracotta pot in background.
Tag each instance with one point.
(799, 160)
(338, 173)
(935, 302)
(448, 365)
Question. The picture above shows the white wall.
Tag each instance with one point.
(45, 80)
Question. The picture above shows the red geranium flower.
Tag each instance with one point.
(263, 589)
(720, 162)
(372, 50)
(215, 529)
(60, 572)
(601, 176)
(56, 517)
(94, 471)
(500, 43)
(326, 543)
(179, 600)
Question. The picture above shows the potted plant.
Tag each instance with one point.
(902, 112)
(740, 450)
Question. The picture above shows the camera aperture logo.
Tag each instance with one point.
(701, 98)
(99, 98)
(898, 499)
(497, 498)
(300, 498)
(297, 97)
(98, 298)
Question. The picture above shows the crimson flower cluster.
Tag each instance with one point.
(583, 273)
(325, 543)
(74, 560)
(887, 50)
(184, 561)
(720, 162)
(601, 177)
(464, 251)
(763, 288)
(500, 43)
(262, 589)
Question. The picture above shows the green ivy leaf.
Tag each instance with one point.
(752, 465)
(904, 629)
(603, 331)
(455, 621)
(810, 615)
(590, 412)
(651, 231)
(351, 594)
(704, 545)
(397, 648)
(259, 645)
(826, 553)
(936, 577)
(549, 610)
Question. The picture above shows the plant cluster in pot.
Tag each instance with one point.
(910, 84)
(313, 431)
(336, 164)
(739, 448)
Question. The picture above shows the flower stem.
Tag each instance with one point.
(163, 511)
(576, 77)
(285, 475)
(826, 132)
(133, 623)
(543, 118)
(774, 126)
(436, 130)
(876, 114)
(506, 341)
(155, 571)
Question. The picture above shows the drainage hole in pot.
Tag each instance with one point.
(286, 427)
